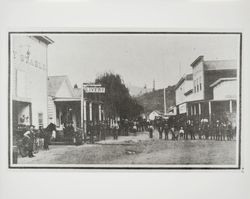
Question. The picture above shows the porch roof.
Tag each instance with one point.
(64, 99)
(220, 80)
(210, 100)
(21, 99)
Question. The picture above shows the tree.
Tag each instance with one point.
(117, 100)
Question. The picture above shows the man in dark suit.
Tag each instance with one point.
(30, 135)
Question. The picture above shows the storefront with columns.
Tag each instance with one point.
(210, 91)
(76, 106)
(92, 110)
(222, 106)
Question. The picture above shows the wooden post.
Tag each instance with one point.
(83, 116)
(210, 111)
(164, 99)
(100, 112)
(230, 106)
(199, 108)
(90, 111)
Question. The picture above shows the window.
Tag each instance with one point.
(200, 84)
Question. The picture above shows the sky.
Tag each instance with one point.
(138, 59)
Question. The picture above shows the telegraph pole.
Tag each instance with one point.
(165, 105)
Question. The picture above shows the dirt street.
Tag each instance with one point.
(139, 150)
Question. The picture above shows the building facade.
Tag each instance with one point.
(63, 102)
(214, 90)
(183, 93)
(29, 68)
(154, 114)
(68, 105)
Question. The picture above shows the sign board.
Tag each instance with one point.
(230, 97)
(94, 89)
(183, 108)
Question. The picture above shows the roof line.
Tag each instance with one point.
(197, 60)
(57, 76)
(212, 60)
(222, 79)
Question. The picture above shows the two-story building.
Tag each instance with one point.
(29, 68)
(212, 91)
(183, 93)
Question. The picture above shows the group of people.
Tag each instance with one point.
(32, 139)
(115, 128)
(192, 129)
(172, 128)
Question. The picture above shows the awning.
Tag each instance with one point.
(63, 99)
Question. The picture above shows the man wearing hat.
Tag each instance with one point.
(30, 134)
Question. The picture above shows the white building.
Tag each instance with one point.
(64, 102)
(212, 92)
(183, 93)
(154, 114)
(29, 71)
(225, 88)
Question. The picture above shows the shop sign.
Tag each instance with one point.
(183, 108)
(94, 89)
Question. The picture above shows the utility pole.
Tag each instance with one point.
(165, 105)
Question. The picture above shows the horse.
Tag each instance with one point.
(47, 134)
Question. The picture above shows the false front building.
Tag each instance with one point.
(211, 92)
(29, 69)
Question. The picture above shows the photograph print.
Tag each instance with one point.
(125, 100)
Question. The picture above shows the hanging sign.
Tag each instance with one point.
(94, 89)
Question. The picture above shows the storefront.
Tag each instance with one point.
(29, 67)
(73, 106)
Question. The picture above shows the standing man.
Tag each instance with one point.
(71, 131)
(126, 126)
(91, 132)
(192, 130)
(217, 130)
(160, 129)
(159, 124)
(206, 128)
(229, 131)
(30, 135)
(166, 130)
(188, 129)
(150, 130)
(115, 130)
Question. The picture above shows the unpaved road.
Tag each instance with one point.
(140, 150)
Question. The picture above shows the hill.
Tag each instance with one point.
(136, 91)
(154, 100)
